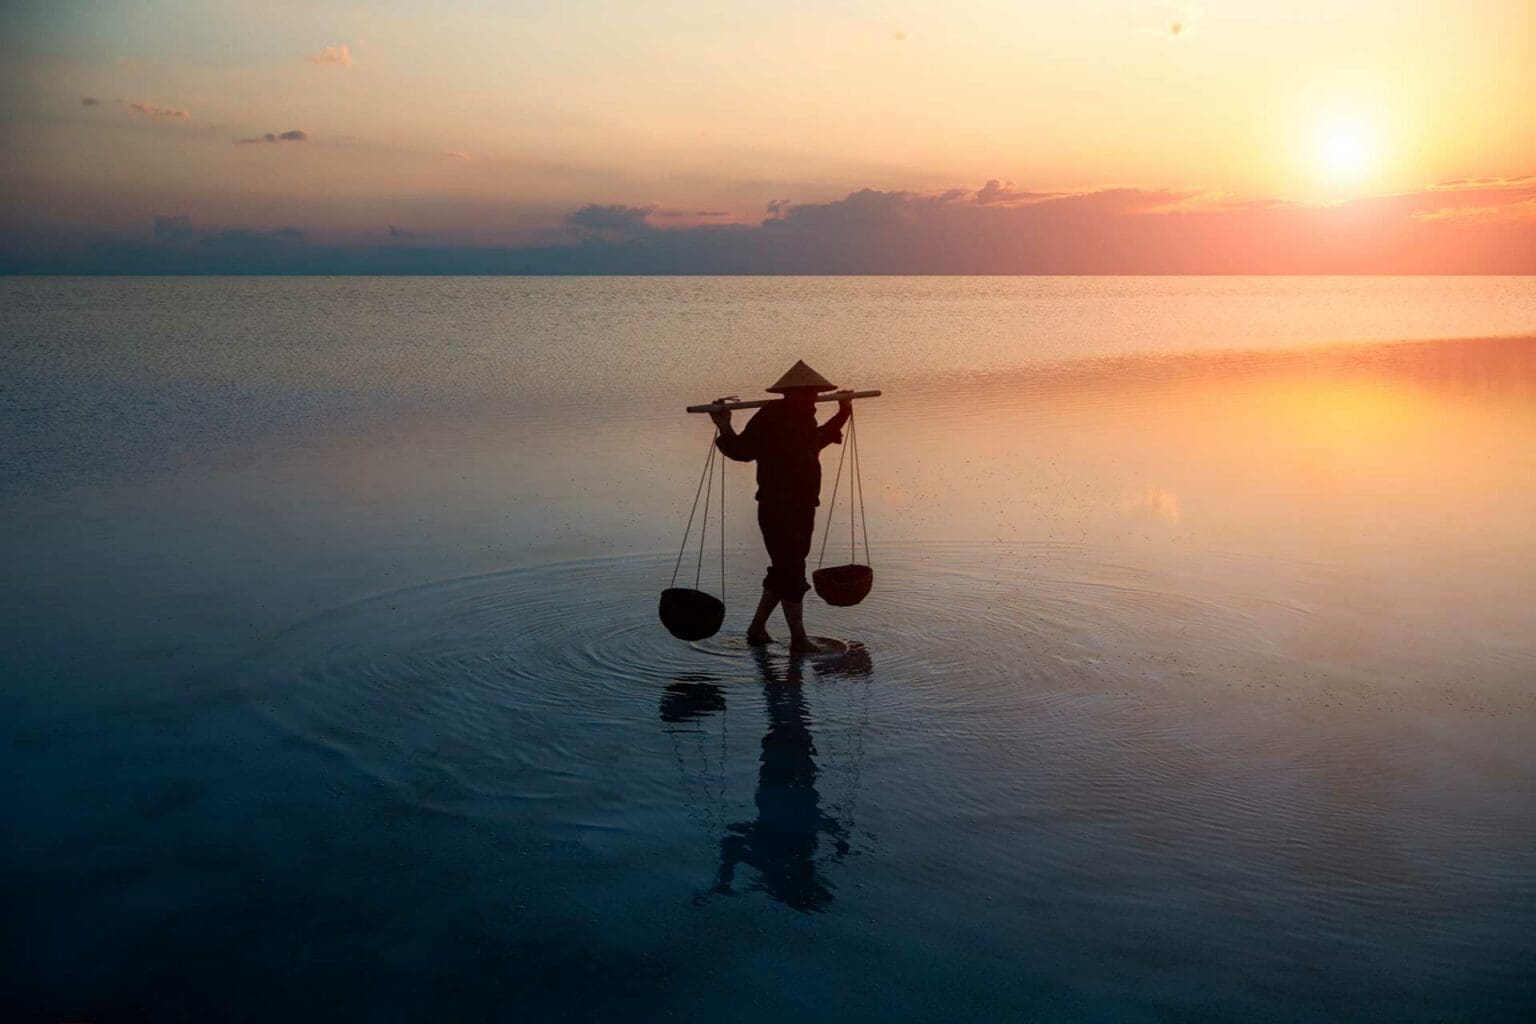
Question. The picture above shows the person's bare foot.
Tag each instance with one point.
(758, 637)
(802, 645)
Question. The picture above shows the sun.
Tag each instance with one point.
(1344, 154)
(1345, 150)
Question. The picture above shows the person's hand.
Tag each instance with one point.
(845, 405)
(722, 417)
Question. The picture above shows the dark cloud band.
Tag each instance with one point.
(1482, 227)
(293, 135)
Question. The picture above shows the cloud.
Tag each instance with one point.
(175, 230)
(158, 113)
(1124, 200)
(673, 214)
(178, 246)
(618, 221)
(1482, 227)
(400, 234)
(1103, 231)
(1523, 210)
(1000, 229)
(454, 154)
(995, 191)
(1467, 199)
(292, 135)
(341, 56)
(140, 108)
(1476, 201)
(179, 230)
(1459, 184)
(614, 219)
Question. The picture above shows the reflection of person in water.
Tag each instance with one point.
(786, 442)
(781, 843)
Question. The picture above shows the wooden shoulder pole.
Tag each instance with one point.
(831, 396)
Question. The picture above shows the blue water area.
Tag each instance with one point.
(1194, 684)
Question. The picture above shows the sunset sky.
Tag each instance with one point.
(1117, 135)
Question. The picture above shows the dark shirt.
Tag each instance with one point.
(785, 441)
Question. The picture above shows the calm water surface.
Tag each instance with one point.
(1197, 680)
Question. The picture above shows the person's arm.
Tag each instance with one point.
(740, 447)
(831, 432)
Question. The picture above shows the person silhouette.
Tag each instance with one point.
(785, 441)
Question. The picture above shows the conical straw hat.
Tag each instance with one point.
(802, 376)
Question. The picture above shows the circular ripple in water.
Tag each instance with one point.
(552, 683)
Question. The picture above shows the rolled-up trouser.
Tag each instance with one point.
(787, 533)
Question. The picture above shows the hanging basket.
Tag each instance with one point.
(687, 612)
(843, 585)
(846, 585)
(691, 614)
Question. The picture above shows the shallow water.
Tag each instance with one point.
(1196, 679)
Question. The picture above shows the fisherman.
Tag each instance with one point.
(786, 442)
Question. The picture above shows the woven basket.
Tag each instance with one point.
(843, 585)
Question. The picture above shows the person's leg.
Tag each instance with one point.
(757, 631)
(797, 548)
(787, 536)
(794, 614)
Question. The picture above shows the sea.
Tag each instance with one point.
(1197, 681)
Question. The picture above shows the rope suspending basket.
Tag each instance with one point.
(846, 585)
(690, 613)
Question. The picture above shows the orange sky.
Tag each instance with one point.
(488, 123)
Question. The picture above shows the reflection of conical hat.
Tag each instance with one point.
(802, 376)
